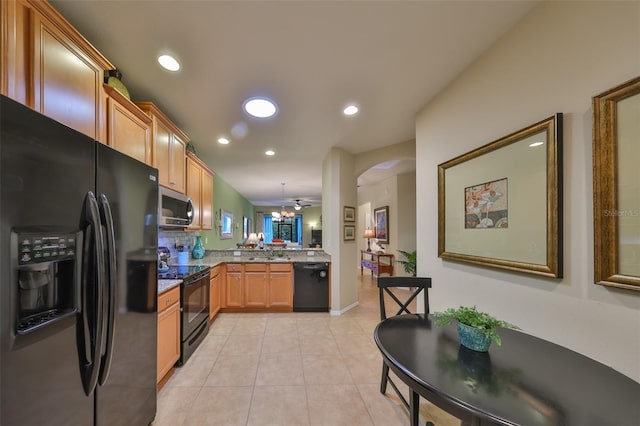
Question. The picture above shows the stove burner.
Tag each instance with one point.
(181, 272)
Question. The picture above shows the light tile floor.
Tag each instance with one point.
(289, 369)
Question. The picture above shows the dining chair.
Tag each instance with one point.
(415, 285)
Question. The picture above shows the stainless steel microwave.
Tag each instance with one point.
(176, 210)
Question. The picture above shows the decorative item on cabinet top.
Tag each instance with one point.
(191, 148)
(114, 79)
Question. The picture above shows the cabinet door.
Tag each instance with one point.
(177, 175)
(162, 152)
(234, 290)
(214, 293)
(67, 84)
(255, 289)
(194, 174)
(127, 133)
(168, 339)
(281, 289)
(206, 212)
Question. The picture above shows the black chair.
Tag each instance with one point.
(416, 285)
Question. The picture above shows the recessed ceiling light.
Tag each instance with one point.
(168, 63)
(223, 141)
(260, 107)
(536, 144)
(350, 110)
(270, 152)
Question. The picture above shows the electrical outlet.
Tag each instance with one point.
(311, 253)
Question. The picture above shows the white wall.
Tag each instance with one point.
(555, 60)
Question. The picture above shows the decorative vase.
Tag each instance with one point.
(472, 338)
(198, 249)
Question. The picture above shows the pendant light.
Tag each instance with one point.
(284, 214)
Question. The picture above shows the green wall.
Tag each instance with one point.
(227, 198)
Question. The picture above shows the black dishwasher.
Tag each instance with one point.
(311, 287)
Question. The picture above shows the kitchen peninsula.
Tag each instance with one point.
(251, 280)
(240, 281)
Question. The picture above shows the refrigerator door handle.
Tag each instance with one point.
(110, 289)
(92, 333)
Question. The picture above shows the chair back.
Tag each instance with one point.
(415, 285)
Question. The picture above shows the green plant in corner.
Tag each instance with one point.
(409, 264)
(484, 322)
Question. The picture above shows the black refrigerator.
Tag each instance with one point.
(78, 271)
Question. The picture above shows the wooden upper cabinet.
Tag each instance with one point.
(128, 127)
(168, 146)
(207, 200)
(200, 190)
(177, 163)
(194, 185)
(50, 67)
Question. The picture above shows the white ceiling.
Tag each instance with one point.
(311, 57)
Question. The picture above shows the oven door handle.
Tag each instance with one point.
(191, 282)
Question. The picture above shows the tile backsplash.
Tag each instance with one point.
(173, 239)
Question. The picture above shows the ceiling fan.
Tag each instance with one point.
(298, 205)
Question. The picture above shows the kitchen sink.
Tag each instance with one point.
(265, 258)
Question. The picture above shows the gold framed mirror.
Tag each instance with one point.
(616, 186)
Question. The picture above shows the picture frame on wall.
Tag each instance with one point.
(349, 233)
(381, 220)
(349, 214)
(616, 205)
(226, 224)
(500, 205)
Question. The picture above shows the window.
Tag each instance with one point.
(289, 230)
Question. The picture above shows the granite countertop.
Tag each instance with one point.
(166, 285)
(246, 256)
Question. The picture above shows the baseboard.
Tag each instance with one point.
(342, 311)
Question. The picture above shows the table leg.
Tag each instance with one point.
(414, 408)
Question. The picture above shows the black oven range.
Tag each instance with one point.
(194, 306)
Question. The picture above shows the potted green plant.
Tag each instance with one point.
(476, 330)
(410, 263)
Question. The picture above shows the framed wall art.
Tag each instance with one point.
(349, 214)
(381, 218)
(247, 227)
(616, 186)
(500, 205)
(349, 233)
(226, 224)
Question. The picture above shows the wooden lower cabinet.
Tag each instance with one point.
(258, 287)
(214, 291)
(234, 288)
(168, 331)
(281, 285)
(255, 285)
